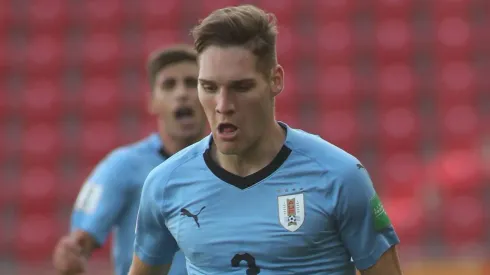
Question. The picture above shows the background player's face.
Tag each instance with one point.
(237, 98)
(175, 101)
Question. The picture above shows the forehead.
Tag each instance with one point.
(224, 64)
(178, 70)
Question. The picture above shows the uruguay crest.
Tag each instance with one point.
(291, 211)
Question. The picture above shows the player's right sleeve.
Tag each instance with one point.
(102, 197)
(154, 245)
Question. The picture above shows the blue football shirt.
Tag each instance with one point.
(108, 201)
(310, 211)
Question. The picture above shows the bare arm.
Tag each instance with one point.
(138, 267)
(87, 243)
(72, 251)
(388, 264)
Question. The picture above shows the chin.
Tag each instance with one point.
(192, 137)
(227, 148)
(189, 135)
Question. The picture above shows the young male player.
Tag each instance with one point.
(109, 200)
(256, 196)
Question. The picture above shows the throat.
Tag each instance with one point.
(174, 144)
(255, 158)
(239, 165)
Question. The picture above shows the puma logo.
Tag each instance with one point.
(185, 212)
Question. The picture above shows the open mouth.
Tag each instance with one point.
(227, 128)
(184, 112)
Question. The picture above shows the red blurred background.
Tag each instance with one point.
(402, 84)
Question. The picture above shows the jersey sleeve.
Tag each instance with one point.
(102, 197)
(154, 244)
(364, 226)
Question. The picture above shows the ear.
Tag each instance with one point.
(277, 80)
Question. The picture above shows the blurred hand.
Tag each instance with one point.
(68, 258)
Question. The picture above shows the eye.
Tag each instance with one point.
(242, 89)
(168, 84)
(209, 88)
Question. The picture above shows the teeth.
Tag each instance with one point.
(227, 128)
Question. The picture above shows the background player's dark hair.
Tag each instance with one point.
(244, 25)
(162, 58)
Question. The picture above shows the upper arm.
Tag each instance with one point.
(154, 244)
(364, 226)
(389, 263)
(138, 267)
(101, 198)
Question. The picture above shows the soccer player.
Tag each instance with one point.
(256, 196)
(109, 200)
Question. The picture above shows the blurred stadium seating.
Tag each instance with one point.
(404, 85)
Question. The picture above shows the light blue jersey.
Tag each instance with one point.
(310, 211)
(109, 200)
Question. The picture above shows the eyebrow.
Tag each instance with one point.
(168, 80)
(233, 82)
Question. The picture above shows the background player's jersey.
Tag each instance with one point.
(308, 212)
(109, 200)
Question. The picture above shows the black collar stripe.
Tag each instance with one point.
(250, 180)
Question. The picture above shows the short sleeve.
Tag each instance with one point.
(154, 244)
(364, 226)
(102, 198)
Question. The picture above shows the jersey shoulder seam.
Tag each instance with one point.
(312, 158)
(341, 172)
(345, 168)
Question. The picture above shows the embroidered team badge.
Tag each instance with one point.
(291, 211)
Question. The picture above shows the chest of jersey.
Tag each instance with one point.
(272, 225)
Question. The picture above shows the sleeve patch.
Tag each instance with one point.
(89, 198)
(381, 219)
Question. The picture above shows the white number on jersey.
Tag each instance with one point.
(89, 197)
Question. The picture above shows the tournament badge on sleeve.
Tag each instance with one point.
(291, 211)
(381, 219)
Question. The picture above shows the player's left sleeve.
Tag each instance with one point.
(364, 226)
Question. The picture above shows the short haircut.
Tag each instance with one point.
(244, 25)
(164, 57)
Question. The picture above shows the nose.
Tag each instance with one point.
(181, 93)
(224, 103)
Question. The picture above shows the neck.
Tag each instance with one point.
(258, 156)
(173, 145)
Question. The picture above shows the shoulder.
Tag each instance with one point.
(130, 153)
(341, 175)
(330, 158)
(119, 157)
(182, 160)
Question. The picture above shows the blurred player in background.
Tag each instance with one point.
(109, 200)
(262, 197)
